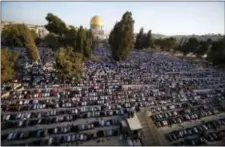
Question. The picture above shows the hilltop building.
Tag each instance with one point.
(96, 25)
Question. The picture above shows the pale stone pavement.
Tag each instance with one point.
(151, 136)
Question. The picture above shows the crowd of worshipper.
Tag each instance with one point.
(174, 90)
(207, 131)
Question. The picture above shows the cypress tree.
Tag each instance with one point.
(80, 40)
(149, 39)
(139, 41)
(121, 37)
(88, 44)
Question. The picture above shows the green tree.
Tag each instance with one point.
(19, 35)
(144, 40)
(209, 41)
(75, 45)
(166, 44)
(149, 39)
(55, 25)
(114, 40)
(81, 36)
(172, 43)
(88, 44)
(69, 64)
(81, 40)
(202, 48)
(190, 46)
(139, 44)
(160, 43)
(71, 37)
(179, 47)
(8, 62)
(217, 52)
(52, 41)
(193, 44)
(11, 36)
(121, 37)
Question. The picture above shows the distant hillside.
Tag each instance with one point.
(214, 37)
(157, 36)
(199, 37)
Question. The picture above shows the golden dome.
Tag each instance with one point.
(96, 20)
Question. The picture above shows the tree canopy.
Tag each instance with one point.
(69, 64)
(190, 46)
(166, 44)
(217, 52)
(201, 49)
(55, 25)
(52, 41)
(80, 39)
(8, 61)
(149, 41)
(74, 45)
(139, 44)
(144, 40)
(18, 35)
(121, 37)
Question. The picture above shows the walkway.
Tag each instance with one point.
(151, 136)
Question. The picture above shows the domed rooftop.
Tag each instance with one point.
(96, 20)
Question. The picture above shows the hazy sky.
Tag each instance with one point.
(169, 18)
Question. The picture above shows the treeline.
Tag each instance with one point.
(73, 46)
(62, 35)
(166, 44)
(214, 51)
(121, 39)
(144, 40)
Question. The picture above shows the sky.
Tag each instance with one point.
(168, 18)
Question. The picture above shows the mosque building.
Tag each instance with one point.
(96, 26)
